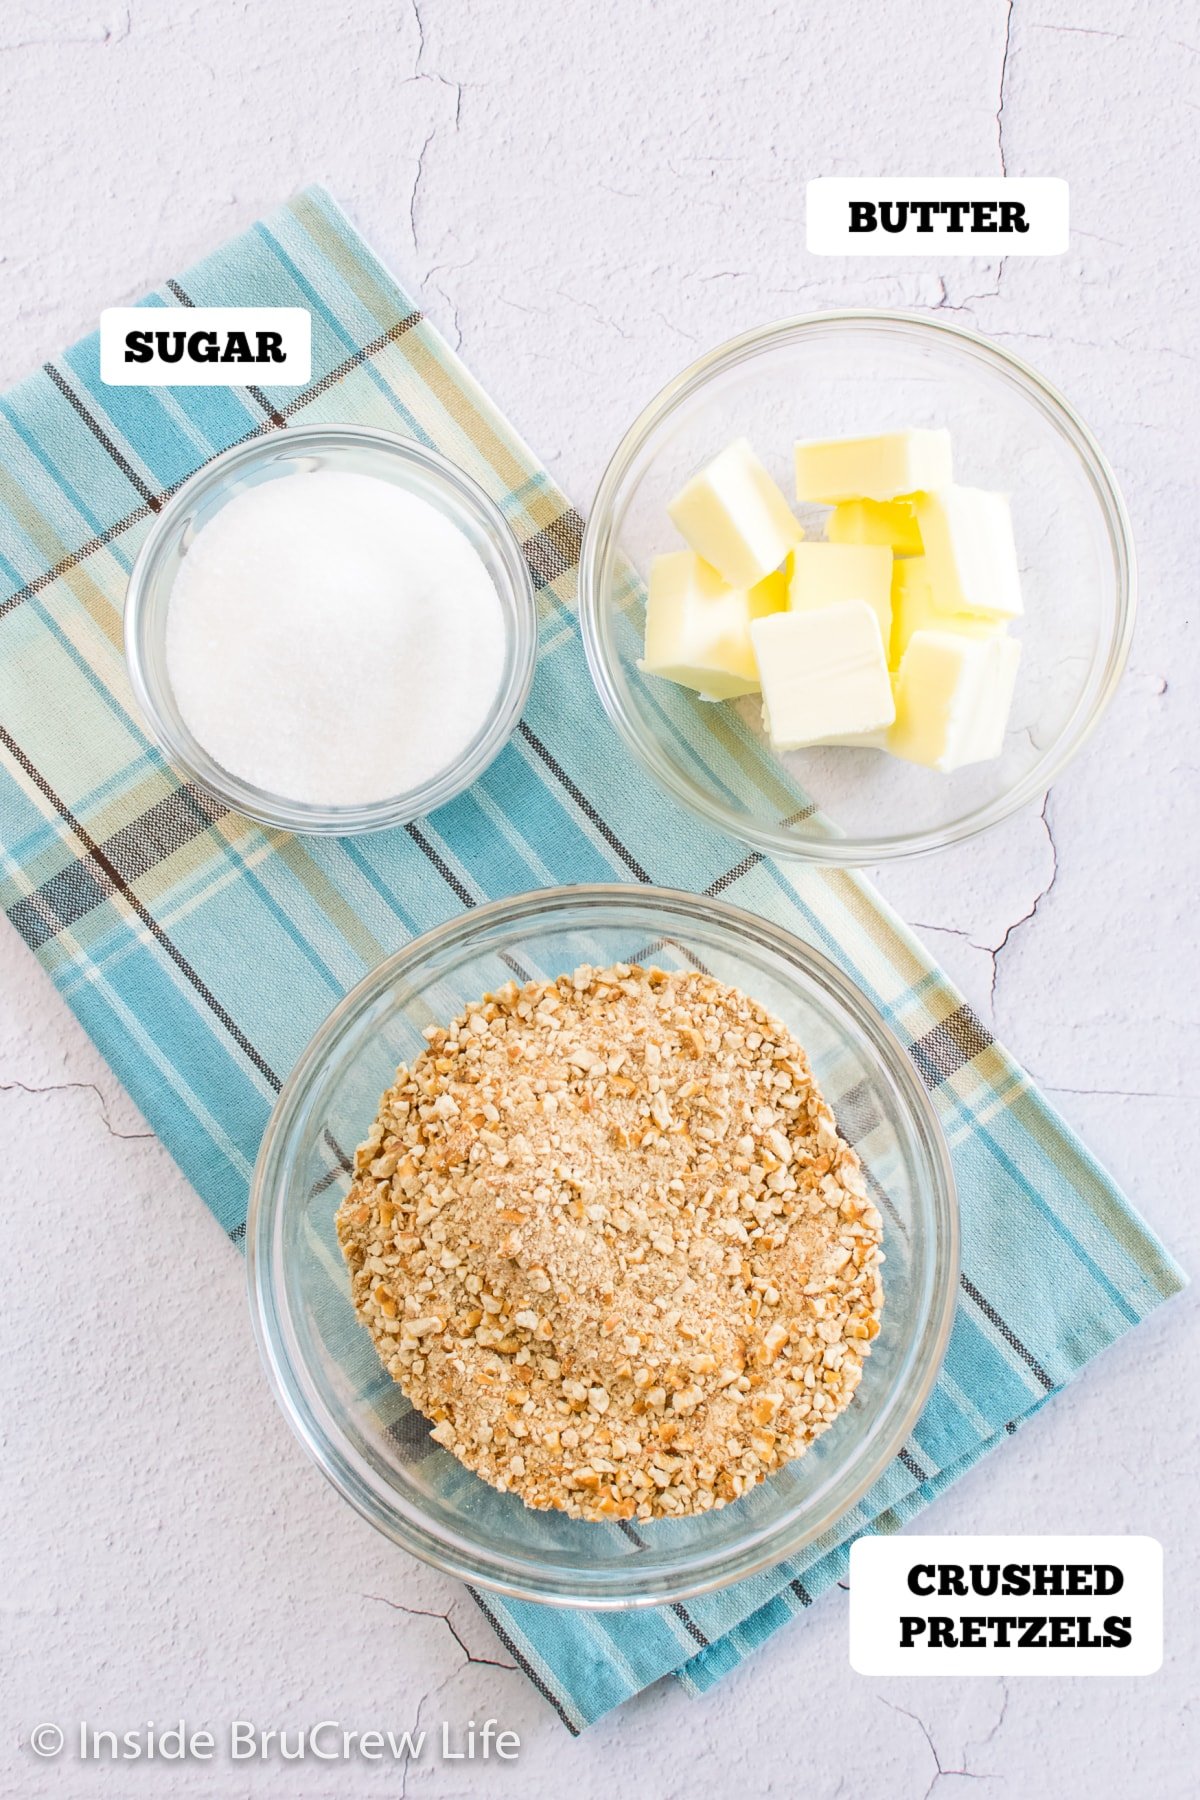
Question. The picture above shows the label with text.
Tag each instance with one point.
(205, 346)
(1006, 1605)
(941, 215)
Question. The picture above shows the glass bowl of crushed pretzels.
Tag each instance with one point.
(603, 1247)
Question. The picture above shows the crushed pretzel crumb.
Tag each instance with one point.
(605, 1234)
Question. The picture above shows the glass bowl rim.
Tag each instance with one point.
(598, 546)
(276, 810)
(450, 1552)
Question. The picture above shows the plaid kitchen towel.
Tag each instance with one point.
(200, 952)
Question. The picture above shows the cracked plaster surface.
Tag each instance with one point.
(585, 201)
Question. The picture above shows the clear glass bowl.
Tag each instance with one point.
(846, 374)
(359, 450)
(353, 1418)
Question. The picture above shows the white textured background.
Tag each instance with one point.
(584, 198)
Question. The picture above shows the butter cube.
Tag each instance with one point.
(890, 522)
(823, 574)
(698, 628)
(970, 551)
(830, 470)
(823, 674)
(914, 609)
(953, 695)
(856, 740)
(735, 517)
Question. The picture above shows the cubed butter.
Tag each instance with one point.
(823, 574)
(953, 696)
(890, 522)
(698, 628)
(823, 674)
(970, 551)
(856, 740)
(734, 516)
(913, 609)
(830, 470)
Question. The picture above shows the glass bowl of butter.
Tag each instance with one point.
(801, 508)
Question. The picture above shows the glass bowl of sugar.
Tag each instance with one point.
(331, 629)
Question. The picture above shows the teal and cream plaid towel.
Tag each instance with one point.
(201, 952)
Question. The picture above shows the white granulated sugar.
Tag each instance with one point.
(333, 639)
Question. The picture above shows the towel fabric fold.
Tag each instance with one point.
(200, 952)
